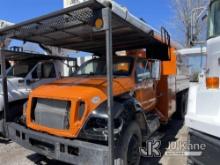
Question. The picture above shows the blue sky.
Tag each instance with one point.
(155, 12)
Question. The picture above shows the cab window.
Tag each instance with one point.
(48, 70)
(21, 69)
(122, 66)
(143, 70)
(45, 70)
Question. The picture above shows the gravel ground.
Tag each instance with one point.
(13, 154)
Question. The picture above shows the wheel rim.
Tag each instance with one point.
(133, 155)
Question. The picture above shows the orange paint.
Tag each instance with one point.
(170, 67)
(212, 83)
(140, 53)
(74, 90)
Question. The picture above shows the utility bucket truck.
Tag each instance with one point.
(112, 103)
(203, 114)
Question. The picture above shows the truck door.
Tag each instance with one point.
(145, 92)
(44, 73)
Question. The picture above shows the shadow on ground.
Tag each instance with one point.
(4, 141)
(42, 160)
(171, 130)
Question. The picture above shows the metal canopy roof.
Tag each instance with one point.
(24, 56)
(72, 28)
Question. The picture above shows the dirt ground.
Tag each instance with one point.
(13, 154)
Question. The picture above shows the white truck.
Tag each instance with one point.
(203, 113)
(26, 73)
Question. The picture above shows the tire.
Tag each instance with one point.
(130, 142)
(181, 107)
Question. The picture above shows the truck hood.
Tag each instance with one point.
(120, 86)
(92, 91)
(16, 90)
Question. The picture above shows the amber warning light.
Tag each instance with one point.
(212, 82)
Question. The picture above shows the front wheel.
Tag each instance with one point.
(130, 143)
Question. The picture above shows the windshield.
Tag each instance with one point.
(214, 19)
(121, 67)
(20, 69)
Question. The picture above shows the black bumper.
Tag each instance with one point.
(211, 154)
(71, 151)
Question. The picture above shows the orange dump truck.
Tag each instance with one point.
(68, 119)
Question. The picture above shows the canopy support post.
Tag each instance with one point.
(4, 88)
(109, 61)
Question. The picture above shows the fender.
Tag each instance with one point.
(121, 103)
(125, 109)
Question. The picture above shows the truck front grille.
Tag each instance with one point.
(51, 113)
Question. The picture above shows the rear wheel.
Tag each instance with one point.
(130, 143)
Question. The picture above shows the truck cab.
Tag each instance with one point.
(76, 107)
(86, 91)
(203, 110)
(25, 75)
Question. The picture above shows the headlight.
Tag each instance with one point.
(97, 125)
(97, 128)
(23, 117)
(24, 108)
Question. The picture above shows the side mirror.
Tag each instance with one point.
(143, 76)
(21, 81)
(28, 82)
(156, 70)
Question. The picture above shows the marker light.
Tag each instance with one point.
(99, 23)
(212, 83)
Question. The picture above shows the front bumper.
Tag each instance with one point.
(70, 151)
(212, 151)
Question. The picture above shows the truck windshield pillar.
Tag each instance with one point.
(214, 22)
(109, 61)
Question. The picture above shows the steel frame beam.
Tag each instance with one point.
(4, 87)
(109, 62)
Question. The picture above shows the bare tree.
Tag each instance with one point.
(183, 10)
